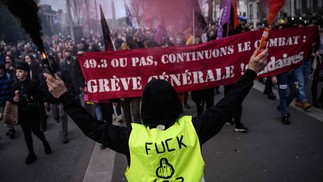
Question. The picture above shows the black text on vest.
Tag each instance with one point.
(163, 146)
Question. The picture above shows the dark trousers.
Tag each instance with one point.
(43, 116)
(287, 90)
(314, 88)
(29, 125)
(203, 96)
(106, 111)
(268, 86)
(118, 109)
(238, 112)
(131, 107)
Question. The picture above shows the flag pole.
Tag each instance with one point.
(106, 32)
(228, 26)
(193, 27)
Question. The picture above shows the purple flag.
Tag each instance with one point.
(224, 16)
(129, 17)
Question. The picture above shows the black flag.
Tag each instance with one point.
(106, 32)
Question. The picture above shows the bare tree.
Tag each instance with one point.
(87, 7)
(139, 9)
(75, 7)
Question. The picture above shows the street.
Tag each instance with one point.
(67, 163)
(270, 151)
(110, 50)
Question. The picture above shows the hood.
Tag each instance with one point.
(160, 104)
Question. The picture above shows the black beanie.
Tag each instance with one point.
(160, 104)
(22, 66)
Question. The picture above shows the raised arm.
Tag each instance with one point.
(112, 136)
(211, 121)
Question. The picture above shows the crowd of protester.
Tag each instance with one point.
(62, 54)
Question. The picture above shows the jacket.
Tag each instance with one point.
(30, 96)
(206, 125)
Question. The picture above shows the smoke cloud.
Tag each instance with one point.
(27, 12)
(273, 7)
(177, 14)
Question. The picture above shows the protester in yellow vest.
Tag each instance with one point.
(188, 33)
(167, 145)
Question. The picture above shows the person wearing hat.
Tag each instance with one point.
(167, 146)
(26, 93)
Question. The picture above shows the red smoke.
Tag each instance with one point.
(177, 14)
(273, 7)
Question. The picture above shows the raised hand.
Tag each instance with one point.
(56, 86)
(258, 63)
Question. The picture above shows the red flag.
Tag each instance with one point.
(234, 14)
(106, 32)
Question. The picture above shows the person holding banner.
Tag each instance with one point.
(203, 96)
(130, 106)
(302, 73)
(236, 120)
(287, 90)
(167, 145)
(189, 40)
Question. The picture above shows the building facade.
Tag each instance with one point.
(53, 21)
(256, 12)
(292, 8)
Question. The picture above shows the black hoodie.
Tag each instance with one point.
(160, 105)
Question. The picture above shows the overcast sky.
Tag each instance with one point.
(106, 6)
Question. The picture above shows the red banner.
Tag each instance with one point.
(122, 74)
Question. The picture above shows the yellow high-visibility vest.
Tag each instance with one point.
(172, 155)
